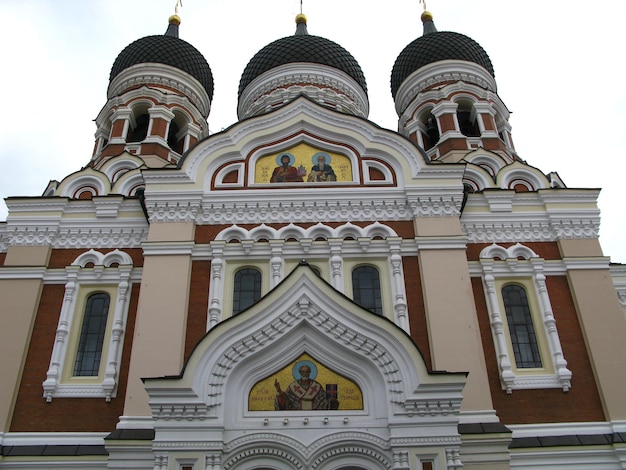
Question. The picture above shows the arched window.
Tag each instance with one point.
(247, 289)
(366, 288)
(430, 130)
(466, 115)
(92, 335)
(172, 137)
(521, 328)
(140, 131)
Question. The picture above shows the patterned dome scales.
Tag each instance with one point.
(302, 47)
(435, 46)
(167, 49)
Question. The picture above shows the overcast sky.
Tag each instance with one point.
(558, 65)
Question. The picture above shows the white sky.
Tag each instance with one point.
(558, 65)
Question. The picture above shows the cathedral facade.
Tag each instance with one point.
(305, 289)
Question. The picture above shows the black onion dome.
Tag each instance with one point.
(433, 47)
(301, 48)
(167, 50)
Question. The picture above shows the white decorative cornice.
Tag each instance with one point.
(18, 272)
(306, 210)
(326, 85)
(442, 72)
(441, 206)
(164, 75)
(173, 212)
(515, 231)
(104, 222)
(55, 237)
(544, 215)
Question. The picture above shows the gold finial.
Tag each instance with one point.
(175, 19)
(300, 18)
(427, 16)
(424, 2)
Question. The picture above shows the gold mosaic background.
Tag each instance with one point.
(262, 395)
(303, 154)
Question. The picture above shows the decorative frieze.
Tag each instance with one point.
(541, 231)
(55, 237)
(305, 211)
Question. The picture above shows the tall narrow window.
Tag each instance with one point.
(521, 328)
(366, 288)
(467, 118)
(92, 335)
(247, 288)
(140, 131)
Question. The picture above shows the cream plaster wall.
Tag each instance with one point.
(580, 247)
(171, 232)
(160, 326)
(19, 299)
(604, 328)
(27, 256)
(455, 339)
(437, 226)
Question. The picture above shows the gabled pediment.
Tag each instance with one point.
(304, 315)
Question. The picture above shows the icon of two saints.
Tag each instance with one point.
(286, 172)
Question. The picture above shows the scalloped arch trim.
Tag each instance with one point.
(320, 230)
(100, 259)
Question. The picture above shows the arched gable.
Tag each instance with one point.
(305, 315)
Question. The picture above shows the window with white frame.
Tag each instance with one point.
(246, 288)
(88, 343)
(521, 327)
(524, 330)
(366, 288)
(92, 332)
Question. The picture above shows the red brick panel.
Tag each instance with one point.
(415, 306)
(32, 413)
(581, 403)
(198, 304)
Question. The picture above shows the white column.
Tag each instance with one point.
(125, 114)
(277, 264)
(117, 333)
(560, 364)
(397, 284)
(63, 330)
(216, 288)
(336, 264)
(495, 319)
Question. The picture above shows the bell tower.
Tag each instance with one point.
(445, 93)
(158, 100)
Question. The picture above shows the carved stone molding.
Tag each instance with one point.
(304, 212)
(77, 238)
(530, 231)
